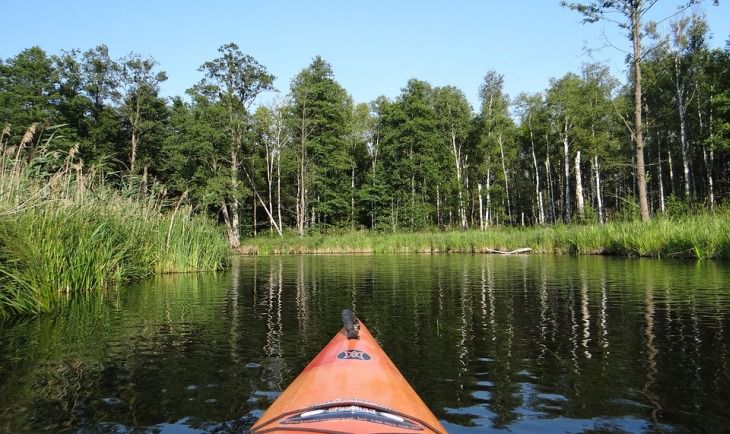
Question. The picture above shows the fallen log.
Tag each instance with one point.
(505, 252)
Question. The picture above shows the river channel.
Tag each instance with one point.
(521, 344)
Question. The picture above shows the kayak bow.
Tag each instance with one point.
(350, 387)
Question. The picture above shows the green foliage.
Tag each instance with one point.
(27, 90)
(421, 160)
(193, 160)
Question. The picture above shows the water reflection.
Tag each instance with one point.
(492, 344)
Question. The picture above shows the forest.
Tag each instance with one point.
(312, 160)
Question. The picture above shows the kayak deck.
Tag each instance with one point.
(351, 386)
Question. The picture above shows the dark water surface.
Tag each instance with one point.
(492, 344)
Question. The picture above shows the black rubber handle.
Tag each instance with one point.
(350, 321)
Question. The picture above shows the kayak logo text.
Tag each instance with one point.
(353, 355)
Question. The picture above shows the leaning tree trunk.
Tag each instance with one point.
(278, 187)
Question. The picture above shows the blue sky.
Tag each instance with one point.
(374, 46)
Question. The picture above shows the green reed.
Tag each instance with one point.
(64, 231)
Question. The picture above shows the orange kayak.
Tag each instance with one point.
(350, 387)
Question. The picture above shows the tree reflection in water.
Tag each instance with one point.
(513, 344)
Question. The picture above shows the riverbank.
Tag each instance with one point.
(700, 236)
(71, 233)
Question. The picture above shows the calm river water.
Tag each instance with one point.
(493, 344)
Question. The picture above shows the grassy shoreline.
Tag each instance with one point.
(700, 236)
(67, 233)
(51, 252)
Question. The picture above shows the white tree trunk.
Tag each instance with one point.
(481, 210)
(707, 156)
(489, 198)
(456, 154)
(682, 111)
(278, 187)
(281, 138)
(352, 196)
(710, 179)
(234, 225)
(133, 156)
(506, 178)
(301, 187)
(551, 193)
(134, 122)
(580, 203)
(599, 194)
(660, 175)
(270, 158)
(671, 172)
(268, 209)
(438, 205)
(538, 193)
(269, 213)
(712, 161)
(566, 177)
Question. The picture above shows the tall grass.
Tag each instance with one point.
(695, 236)
(64, 231)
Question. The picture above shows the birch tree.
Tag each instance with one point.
(272, 137)
(674, 53)
(630, 16)
(453, 117)
(495, 128)
(528, 108)
(599, 124)
(564, 104)
(234, 80)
